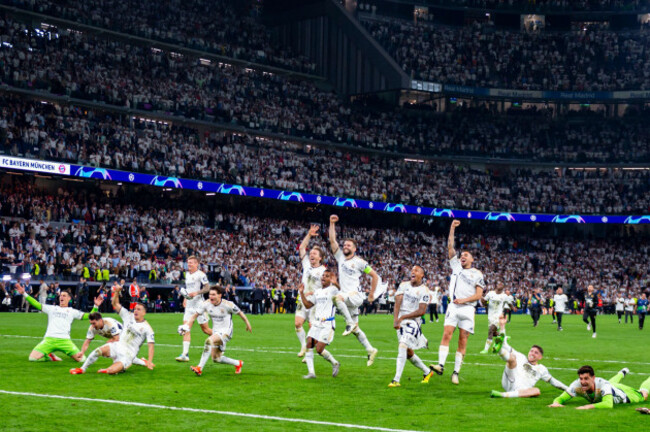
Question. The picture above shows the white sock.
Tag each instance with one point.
(228, 360)
(401, 361)
(458, 362)
(418, 363)
(343, 308)
(301, 337)
(205, 356)
(186, 348)
(361, 336)
(138, 361)
(309, 359)
(328, 356)
(92, 358)
(443, 352)
(505, 351)
(488, 343)
(511, 394)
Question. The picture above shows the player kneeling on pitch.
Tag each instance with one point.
(221, 312)
(411, 302)
(321, 332)
(602, 393)
(136, 331)
(521, 372)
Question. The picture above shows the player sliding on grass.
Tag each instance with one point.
(521, 372)
(221, 312)
(602, 393)
(411, 301)
(312, 273)
(59, 321)
(135, 332)
(321, 332)
(351, 297)
(466, 286)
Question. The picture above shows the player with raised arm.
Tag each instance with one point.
(221, 312)
(560, 301)
(496, 302)
(411, 302)
(466, 287)
(321, 333)
(602, 393)
(312, 273)
(136, 331)
(521, 372)
(351, 297)
(196, 284)
(59, 323)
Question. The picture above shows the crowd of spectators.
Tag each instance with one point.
(224, 27)
(548, 5)
(480, 55)
(52, 132)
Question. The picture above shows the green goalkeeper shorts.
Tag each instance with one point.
(635, 396)
(48, 345)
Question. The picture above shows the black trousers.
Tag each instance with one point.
(535, 313)
(641, 320)
(629, 314)
(620, 314)
(509, 313)
(590, 315)
(559, 318)
(433, 310)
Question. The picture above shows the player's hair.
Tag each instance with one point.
(351, 240)
(321, 252)
(194, 257)
(424, 272)
(218, 288)
(539, 348)
(95, 316)
(586, 369)
(141, 304)
(67, 291)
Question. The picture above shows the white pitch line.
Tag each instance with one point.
(269, 350)
(207, 411)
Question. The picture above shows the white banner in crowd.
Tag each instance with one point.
(34, 165)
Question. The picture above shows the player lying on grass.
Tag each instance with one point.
(221, 312)
(602, 393)
(321, 332)
(411, 301)
(521, 372)
(59, 321)
(136, 331)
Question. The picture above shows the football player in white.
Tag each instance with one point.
(321, 333)
(196, 284)
(312, 273)
(466, 287)
(560, 301)
(496, 302)
(411, 301)
(351, 297)
(221, 312)
(136, 331)
(521, 372)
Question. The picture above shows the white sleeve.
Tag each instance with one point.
(310, 298)
(545, 375)
(400, 289)
(150, 335)
(454, 263)
(606, 389)
(572, 388)
(204, 279)
(305, 262)
(480, 281)
(46, 309)
(338, 255)
(363, 265)
(234, 309)
(488, 296)
(77, 314)
(116, 329)
(90, 334)
(424, 296)
(125, 315)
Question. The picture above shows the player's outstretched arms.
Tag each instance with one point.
(248, 324)
(98, 302)
(332, 233)
(313, 232)
(115, 301)
(606, 403)
(31, 300)
(149, 361)
(557, 384)
(560, 400)
(450, 241)
(373, 285)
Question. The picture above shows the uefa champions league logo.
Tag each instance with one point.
(96, 173)
(436, 212)
(635, 220)
(345, 202)
(500, 217)
(166, 182)
(568, 219)
(231, 190)
(395, 208)
(291, 196)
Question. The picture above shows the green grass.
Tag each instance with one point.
(271, 382)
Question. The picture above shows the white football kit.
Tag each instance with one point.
(350, 271)
(525, 375)
(410, 331)
(194, 283)
(496, 305)
(134, 335)
(559, 303)
(59, 320)
(111, 329)
(312, 281)
(221, 316)
(324, 311)
(462, 284)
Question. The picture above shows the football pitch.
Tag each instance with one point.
(270, 394)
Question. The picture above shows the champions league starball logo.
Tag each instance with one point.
(500, 217)
(167, 182)
(442, 213)
(96, 173)
(345, 202)
(291, 196)
(635, 220)
(231, 190)
(568, 219)
(395, 208)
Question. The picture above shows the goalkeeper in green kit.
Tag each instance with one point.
(602, 393)
(59, 321)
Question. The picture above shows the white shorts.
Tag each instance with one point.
(514, 379)
(120, 354)
(225, 338)
(201, 319)
(303, 312)
(353, 300)
(461, 317)
(410, 334)
(322, 332)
